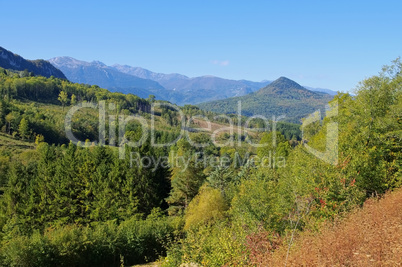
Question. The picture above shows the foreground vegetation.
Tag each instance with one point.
(266, 208)
(83, 205)
(370, 236)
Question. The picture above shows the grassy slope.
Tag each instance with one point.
(371, 236)
(11, 146)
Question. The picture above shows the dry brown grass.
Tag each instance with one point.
(371, 236)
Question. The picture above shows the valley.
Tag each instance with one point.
(94, 177)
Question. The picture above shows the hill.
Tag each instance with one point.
(281, 97)
(370, 236)
(9, 60)
(210, 201)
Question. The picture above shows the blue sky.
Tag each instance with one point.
(327, 44)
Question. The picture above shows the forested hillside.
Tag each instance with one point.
(49, 184)
(225, 202)
(263, 210)
(8, 60)
(282, 97)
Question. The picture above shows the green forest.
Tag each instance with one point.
(66, 204)
(281, 97)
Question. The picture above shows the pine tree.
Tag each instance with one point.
(187, 178)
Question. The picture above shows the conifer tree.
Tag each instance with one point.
(187, 177)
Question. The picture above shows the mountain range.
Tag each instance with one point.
(9, 60)
(281, 97)
(176, 88)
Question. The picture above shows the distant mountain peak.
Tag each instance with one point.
(98, 63)
(281, 97)
(67, 61)
(285, 82)
(285, 86)
(147, 74)
(174, 87)
(98, 73)
(74, 63)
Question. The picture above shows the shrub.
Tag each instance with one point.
(208, 206)
(104, 244)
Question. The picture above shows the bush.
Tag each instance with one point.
(104, 244)
(210, 245)
(208, 206)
